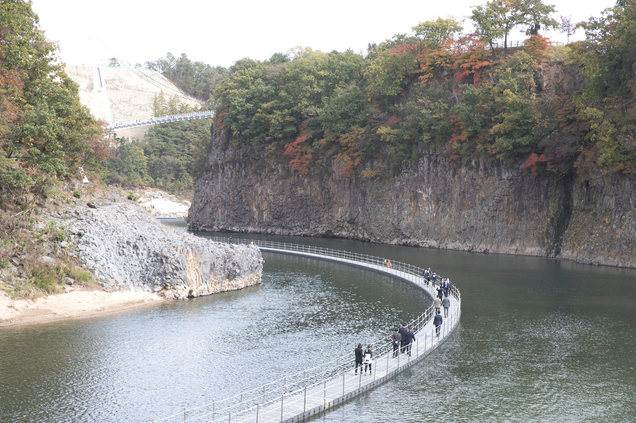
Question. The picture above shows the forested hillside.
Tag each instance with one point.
(197, 79)
(169, 156)
(45, 133)
(441, 89)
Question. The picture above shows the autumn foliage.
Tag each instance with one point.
(300, 152)
(437, 89)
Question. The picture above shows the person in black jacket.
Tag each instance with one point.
(408, 339)
(437, 322)
(359, 352)
(403, 331)
(396, 339)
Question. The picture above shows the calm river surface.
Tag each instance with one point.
(539, 340)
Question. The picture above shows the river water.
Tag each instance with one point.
(539, 340)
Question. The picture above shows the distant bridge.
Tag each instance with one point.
(208, 114)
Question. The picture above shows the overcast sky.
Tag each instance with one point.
(222, 32)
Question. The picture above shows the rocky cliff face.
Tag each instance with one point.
(128, 249)
(481, 206)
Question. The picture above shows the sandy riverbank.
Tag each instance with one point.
(163, 205)
(76, 304)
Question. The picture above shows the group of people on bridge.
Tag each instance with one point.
(403, 337)
(365, 357)
(442, 299)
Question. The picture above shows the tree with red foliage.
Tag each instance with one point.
(352, 152)
(300, 152)
(537, 46)
(533, 162)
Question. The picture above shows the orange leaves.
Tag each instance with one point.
(464, 55)
(537, 46)
(392, 120)
(351, 153)
(10, 90)
(405, 49)
(533, 162)
(300, 152)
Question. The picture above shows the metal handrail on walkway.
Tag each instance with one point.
(206, 114)
(298, 396)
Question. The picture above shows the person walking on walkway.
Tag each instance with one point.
(425, 276)
(368, 360)
(446, 304)
(403, 331)
(437, 322)
(446, 287)
(408, 339)
(396, 339)
(359, 353)
(438, 304)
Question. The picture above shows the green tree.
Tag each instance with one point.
(346, 108)
(536, 16)
(436, 32)
(487, 24)
(502, 14)
(279, 58)
(392, 71)
(196, 79)
(44, 127)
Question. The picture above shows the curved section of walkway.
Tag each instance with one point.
(297, 397)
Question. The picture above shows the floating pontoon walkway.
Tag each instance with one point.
(297, 397)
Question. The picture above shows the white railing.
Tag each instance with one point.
(208, 114)
(297, 396)
(520, 43)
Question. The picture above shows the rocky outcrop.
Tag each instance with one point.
(479, 206)
(130, 250)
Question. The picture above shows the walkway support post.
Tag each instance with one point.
(324, 396)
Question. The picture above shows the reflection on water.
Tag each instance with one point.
(540, 340)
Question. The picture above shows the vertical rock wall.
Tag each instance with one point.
(481, 206)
